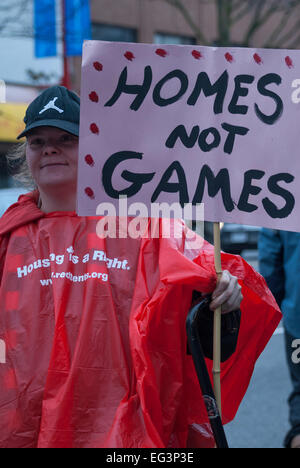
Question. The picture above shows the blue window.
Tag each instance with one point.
(105, 32)
(161, 38)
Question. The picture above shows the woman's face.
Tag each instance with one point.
(52, 157)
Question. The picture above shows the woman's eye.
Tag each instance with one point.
(67, 138)
(36, 142)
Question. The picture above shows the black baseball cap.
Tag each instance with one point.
(55, 107)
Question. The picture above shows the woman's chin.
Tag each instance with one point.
(56, 176)
(57, 183)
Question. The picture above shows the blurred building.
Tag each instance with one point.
(147, 21)
(156, 21)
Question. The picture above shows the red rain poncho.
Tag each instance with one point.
(93, 340)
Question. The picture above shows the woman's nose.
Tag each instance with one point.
(50, 148)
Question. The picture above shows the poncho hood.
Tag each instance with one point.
(19, 214)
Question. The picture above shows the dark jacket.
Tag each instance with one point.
(279, 263)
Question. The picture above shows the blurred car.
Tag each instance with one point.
(236, 237)
(8, 196)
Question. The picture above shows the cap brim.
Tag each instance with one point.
(70, 127)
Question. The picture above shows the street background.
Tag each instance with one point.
(262, 419)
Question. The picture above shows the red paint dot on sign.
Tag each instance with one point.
(94, 96)
(161, 52)
(98, 66)
(94, 128)
(196, 54)
(257, 59)
(129, 56)
(229, 57)
(289, 62)
(89, 192)
(89, 160)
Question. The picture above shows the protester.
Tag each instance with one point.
(93, 330)
(279, 258)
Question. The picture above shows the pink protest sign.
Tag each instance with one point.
(189, 125)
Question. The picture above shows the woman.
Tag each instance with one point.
(93, 330)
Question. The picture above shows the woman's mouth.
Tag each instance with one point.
(53, 164)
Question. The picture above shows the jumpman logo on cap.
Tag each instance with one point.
(51, 105)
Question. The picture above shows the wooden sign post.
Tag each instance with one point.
(217, 323)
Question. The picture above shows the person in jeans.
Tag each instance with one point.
(279, 259)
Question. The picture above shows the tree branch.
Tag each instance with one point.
(178, 4)
(259, 18)
(13, 13)
(295, 43)
(280, 28)
(241, 10)
(224, 11)
(289, 35)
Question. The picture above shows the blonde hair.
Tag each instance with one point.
(18, 167)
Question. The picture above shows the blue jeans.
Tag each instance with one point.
(294, 399)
